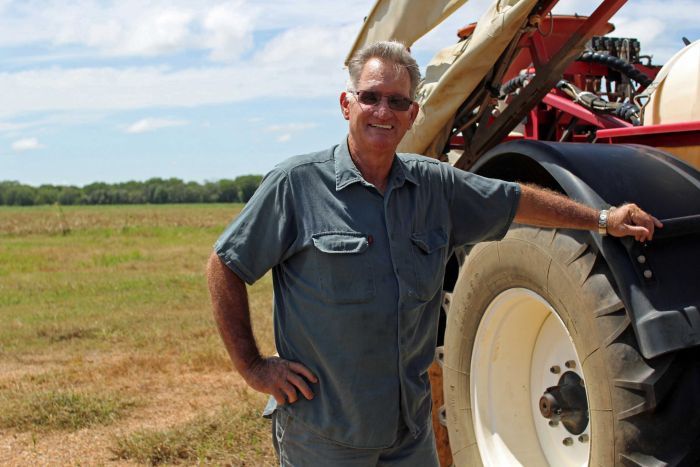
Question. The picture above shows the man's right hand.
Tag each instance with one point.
(280, 378)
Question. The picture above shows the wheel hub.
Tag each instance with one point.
(566, 403)
(521, 350)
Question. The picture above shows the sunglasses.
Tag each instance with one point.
(395, 101)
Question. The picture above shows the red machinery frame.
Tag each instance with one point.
(545, 52)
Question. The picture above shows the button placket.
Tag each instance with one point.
(399, 255)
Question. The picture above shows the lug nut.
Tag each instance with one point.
(553, 423)
(583, 438)
(570, 364)
(568, 441)
(555, 369)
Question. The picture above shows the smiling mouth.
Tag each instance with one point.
(384, 127)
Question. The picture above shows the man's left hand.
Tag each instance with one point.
(630, 220)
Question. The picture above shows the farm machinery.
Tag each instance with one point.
(562, 347)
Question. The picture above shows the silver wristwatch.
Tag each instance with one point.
(603, 221)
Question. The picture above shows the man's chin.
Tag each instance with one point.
(384, 141)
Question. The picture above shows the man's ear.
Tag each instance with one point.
(413, 112)
(345, 105)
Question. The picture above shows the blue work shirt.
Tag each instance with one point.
(357, 279)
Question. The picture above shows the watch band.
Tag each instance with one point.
(603, 221)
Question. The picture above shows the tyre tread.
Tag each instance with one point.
(655, 403)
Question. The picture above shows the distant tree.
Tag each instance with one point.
(247, 184)
(70, 195)
(47, 194)
(176, 190)
(228, 191)
(20, 195)
(5, 188)
(194, 193)
(153, 190)
(211, 192)
(136, 197)
(160, 195)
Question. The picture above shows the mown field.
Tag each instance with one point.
(108, 350)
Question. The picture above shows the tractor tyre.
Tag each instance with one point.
(541, 364)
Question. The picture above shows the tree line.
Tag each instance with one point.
(154, 191)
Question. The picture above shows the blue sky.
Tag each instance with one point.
(100, 90)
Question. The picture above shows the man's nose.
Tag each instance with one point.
(382, 107)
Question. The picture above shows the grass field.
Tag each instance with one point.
(108, 350)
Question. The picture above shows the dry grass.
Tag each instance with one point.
(60, 410)
(204, 439)
(107, 344)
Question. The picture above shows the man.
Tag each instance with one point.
(357, 239)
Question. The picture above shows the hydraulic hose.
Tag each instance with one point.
(617, 64)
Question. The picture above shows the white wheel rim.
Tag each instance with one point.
(520, 338)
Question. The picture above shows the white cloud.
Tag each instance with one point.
(26, 144)
(228, 31)
(308, 45)
(303, 59)
(287, 130)
(152, 124)
(60, 119)
(291, 127)
(298, 62)
(154, 32)
(647, 30)
(285, 14)
(133, 27)
(11, 127)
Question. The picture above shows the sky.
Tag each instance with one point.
(102, 90)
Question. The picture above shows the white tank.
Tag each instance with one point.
(677, 95)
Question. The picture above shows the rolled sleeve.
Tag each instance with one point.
(482, 209)
(262, 234)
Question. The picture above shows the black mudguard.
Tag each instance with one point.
(659, 281)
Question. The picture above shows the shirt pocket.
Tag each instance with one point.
(429, 251)
(344, 271)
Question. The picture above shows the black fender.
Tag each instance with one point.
(659, 281)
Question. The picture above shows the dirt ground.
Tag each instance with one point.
(170, 399)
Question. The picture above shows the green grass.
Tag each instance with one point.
(132, 273)
(61, 410)
(112, 300)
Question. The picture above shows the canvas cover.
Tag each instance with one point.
(456, 70)
(403, 20)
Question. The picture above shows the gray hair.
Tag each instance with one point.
(390, 51)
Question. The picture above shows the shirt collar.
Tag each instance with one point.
(346, 173)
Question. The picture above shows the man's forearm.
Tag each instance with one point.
(230, 304)
(273, 375)
(545, 208)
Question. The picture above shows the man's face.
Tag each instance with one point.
(378, 128)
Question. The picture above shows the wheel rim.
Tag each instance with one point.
(521, 349)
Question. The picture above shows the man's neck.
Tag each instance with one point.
(374, 167)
